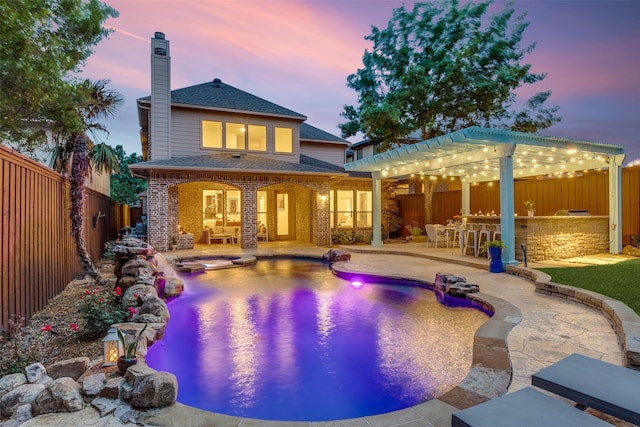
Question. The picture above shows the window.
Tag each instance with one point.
(284, 140)
(257, 138)
(212, 204)
(348, 213)
(262, 208)
(345, 208)
(211, 134)
(234, 211)
(364, 209)
(235, 136)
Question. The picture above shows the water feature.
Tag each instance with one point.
(287, 340)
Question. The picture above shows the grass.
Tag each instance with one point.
(620, 281)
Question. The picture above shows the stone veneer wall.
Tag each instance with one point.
(168, 207)
(561, 237)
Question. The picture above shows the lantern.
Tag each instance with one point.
(111, 347)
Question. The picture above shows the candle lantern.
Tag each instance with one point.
(111, 347)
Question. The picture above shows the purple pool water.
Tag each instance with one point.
(287, 340)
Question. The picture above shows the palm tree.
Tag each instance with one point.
(75, 155)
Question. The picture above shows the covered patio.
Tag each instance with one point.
(478, 154)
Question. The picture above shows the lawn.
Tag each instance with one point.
(620, 281)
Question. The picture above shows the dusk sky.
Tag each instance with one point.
(298, 54)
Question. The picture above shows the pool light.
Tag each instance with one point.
(356, 284)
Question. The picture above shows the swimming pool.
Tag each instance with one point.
(285, 339)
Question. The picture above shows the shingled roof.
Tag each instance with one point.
(239, 162)
(310, 133)
(223, 97)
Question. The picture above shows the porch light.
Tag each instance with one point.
(111, 348)
(323, 197)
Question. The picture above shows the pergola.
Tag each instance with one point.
(478, 154)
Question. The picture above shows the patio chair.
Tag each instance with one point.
(524, 408)
(592, 383)
(434, 235)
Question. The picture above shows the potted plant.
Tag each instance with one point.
(129, 357)
(179, 261)
(495, 248)
(529, 207)
(173, 243)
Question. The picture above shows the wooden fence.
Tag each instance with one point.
(587, 192)
(37, 250)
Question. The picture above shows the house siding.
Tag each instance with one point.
(331, 153)
(186, 136)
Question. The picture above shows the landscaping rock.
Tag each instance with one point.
(11, 381)
(137, 373)
(92, 385)
(157, 307)
(61, 395)
(105, 405)
(174, 287)
(21, 395)
(631, 250)
(143, 292)
(37, 373)
(155, 390)
(148, 318)
(22, 414)
(125, 282)
(72, 368)
(111, 389)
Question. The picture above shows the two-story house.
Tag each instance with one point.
(221, 162)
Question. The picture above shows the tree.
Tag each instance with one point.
(41, 43)
(76, 155)
(124, 186)
(443, 67)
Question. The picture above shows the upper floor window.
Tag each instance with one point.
(284, 140)
(235, 135)
(211, 134)
(257, 138)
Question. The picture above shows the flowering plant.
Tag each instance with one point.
(100, 309)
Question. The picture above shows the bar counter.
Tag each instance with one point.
(556, 237)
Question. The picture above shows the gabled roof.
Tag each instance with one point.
(219, 96)
(310, 133)
(237, 162)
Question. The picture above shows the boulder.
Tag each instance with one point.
(155, 390)
(22, 414)
(61, 395)
(156, 307)
(125, 282)
(105, 405)
(148, 318)
(37, 373)
(335, 255)
(111, 389)
(11, 381)
(131, 296)
(72, 368)
(92, 385)
(173, 287)
(21, 395)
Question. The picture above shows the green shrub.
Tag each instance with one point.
(100, 309)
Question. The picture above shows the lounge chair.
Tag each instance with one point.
(592, 383)
(524, 408)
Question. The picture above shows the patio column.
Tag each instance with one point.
(376, 239)
(507, 212)
(615, 203)
(466, 198)
(249, 230)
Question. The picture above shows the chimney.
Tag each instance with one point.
(160, 120)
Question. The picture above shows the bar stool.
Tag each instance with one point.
(485, 231)
(496, 231)
(471, 230)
